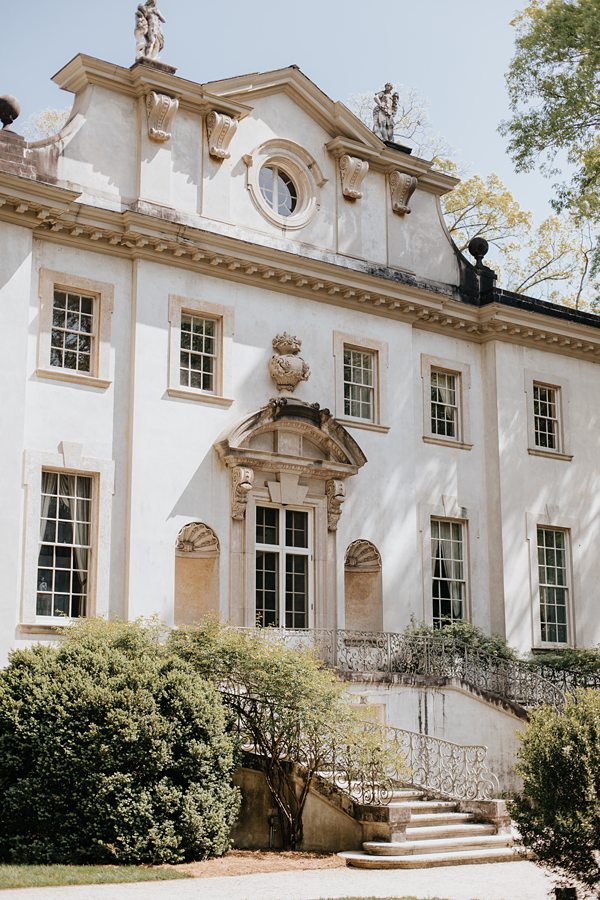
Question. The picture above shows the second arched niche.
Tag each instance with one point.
(362, 587)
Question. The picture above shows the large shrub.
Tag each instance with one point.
(466, 634)
(558, 810)
(111, 750)
(581, 662)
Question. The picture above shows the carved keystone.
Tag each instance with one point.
(161, 114)
(402, 187)
(220, 129)
(352, 171)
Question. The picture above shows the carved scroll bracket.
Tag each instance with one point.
(220, 129)
(242, 481)
(336, 494)
(352, 172)
(161, 112)
(402, 187)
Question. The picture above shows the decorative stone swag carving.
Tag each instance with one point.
(286, 367)
(352, 172)
(402, 187)
(161, 111)
(220, 130)
(242, 481)
(196, 539)
(335, 490)
(362, 556)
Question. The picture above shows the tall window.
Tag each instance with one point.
(444, 403)
(72, 340)
(282, 567)
(65, 544)
(448, 571)
(198, 352)
(359, 384)
(546, 416)
(554, 590)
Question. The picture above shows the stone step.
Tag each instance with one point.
(427, 860)
(424, 833)
(418, 807)
(445, 818)
(437, 845)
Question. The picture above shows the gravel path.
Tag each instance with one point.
(494, 881)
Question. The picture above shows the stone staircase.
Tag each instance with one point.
(437, 833)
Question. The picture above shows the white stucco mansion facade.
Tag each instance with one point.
(245, 370)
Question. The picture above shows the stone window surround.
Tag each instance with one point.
(224, 316)
(103, 294)
(341, 340)
(551, 517)
(70, 459)
(463, 440)
(300, 167)
(561, 386)
(447, 509)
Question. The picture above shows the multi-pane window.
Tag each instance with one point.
(282, 567)
(198, 352)
(444, 403)
(278, 190)
(546, 416)
(554, 589)
(72, 338)
(65, 545)
(449, 584)
(359, 384)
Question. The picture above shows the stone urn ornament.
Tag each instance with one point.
(286, 367)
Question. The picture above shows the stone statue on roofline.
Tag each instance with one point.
(149, 39)
(384, 112)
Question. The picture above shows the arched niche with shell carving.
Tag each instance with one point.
(196, 574)
(362, 587)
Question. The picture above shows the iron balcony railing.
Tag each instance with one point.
(430, 655)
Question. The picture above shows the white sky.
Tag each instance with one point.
(453, 52)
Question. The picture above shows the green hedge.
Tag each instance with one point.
(111, 750)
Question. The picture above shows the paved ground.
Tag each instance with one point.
(494, 881)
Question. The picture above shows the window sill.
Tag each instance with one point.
(550, 454)
(368, 426)
(442, 442)
(46, 628)
(73, 378)
(214, 399)
(540, 649)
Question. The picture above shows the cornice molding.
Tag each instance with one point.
(140, 80)
(53, 214)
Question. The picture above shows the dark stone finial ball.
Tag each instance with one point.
(478, 247)
(9, 109)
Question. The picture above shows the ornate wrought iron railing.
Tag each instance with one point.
(430, 655)
(568, 681)
(439, 767)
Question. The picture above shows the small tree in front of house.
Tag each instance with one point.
(112, 751)
(558, 809)
(291, 711)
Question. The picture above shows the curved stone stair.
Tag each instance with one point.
(438, 834)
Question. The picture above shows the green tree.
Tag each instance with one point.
(111, 751)
(558, 809)
(292, 712)
(554, 90)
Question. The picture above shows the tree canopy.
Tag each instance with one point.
(554, 90)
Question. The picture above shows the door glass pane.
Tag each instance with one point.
(296, 528)
(267, 589)
(296, 591)
(267, 525)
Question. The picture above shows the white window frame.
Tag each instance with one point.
(70, 460)
(449, 509)
(464, 536)
(552, 519)
(561, 386)
(224, 317)
(103, 297)
(380, 353)
(462, 372)
(282, 550)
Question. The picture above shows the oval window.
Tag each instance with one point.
(278, 190)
